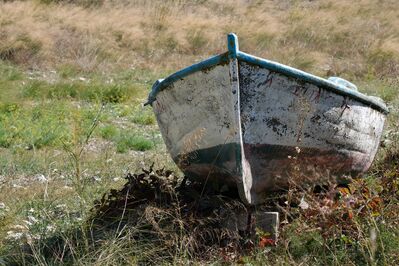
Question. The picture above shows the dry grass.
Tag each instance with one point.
(56, 55)
(325, 37)
(157, 219)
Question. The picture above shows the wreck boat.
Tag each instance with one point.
(244, 121)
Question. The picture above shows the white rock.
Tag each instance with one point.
(41, 178)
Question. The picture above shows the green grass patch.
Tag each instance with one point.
(144, 117)
(94, 92)
(108, 132)
(133, 142)
(9, 72)
(52, 124)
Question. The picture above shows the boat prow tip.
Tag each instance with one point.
(232, 45)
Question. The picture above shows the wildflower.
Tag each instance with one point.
(32, 219)
(50, 229)
(303, 204)
(11, 235)
(61, 206)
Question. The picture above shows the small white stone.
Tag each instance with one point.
(41, 178)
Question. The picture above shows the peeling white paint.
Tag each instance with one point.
(283, 128)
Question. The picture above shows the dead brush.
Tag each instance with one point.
(169, 214)
(329, 217)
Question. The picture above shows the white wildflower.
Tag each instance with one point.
(298, 150)
(11, 235)
(50, 229)
(303, 204)
(61, 206)
(32, 219)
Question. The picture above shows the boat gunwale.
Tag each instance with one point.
(234, 52)
(200, 66)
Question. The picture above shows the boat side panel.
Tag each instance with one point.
(373, 102)
(197, 113)
(279, 113)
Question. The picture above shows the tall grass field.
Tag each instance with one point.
(75, 135)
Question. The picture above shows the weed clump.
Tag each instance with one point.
(134, 142)
(19, 50)
(108, 132)
(144, 118)
(92, 92)
(83, 3)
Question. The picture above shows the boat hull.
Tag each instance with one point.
(243, 124)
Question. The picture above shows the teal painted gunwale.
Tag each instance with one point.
(234, 52)
(201, 66)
